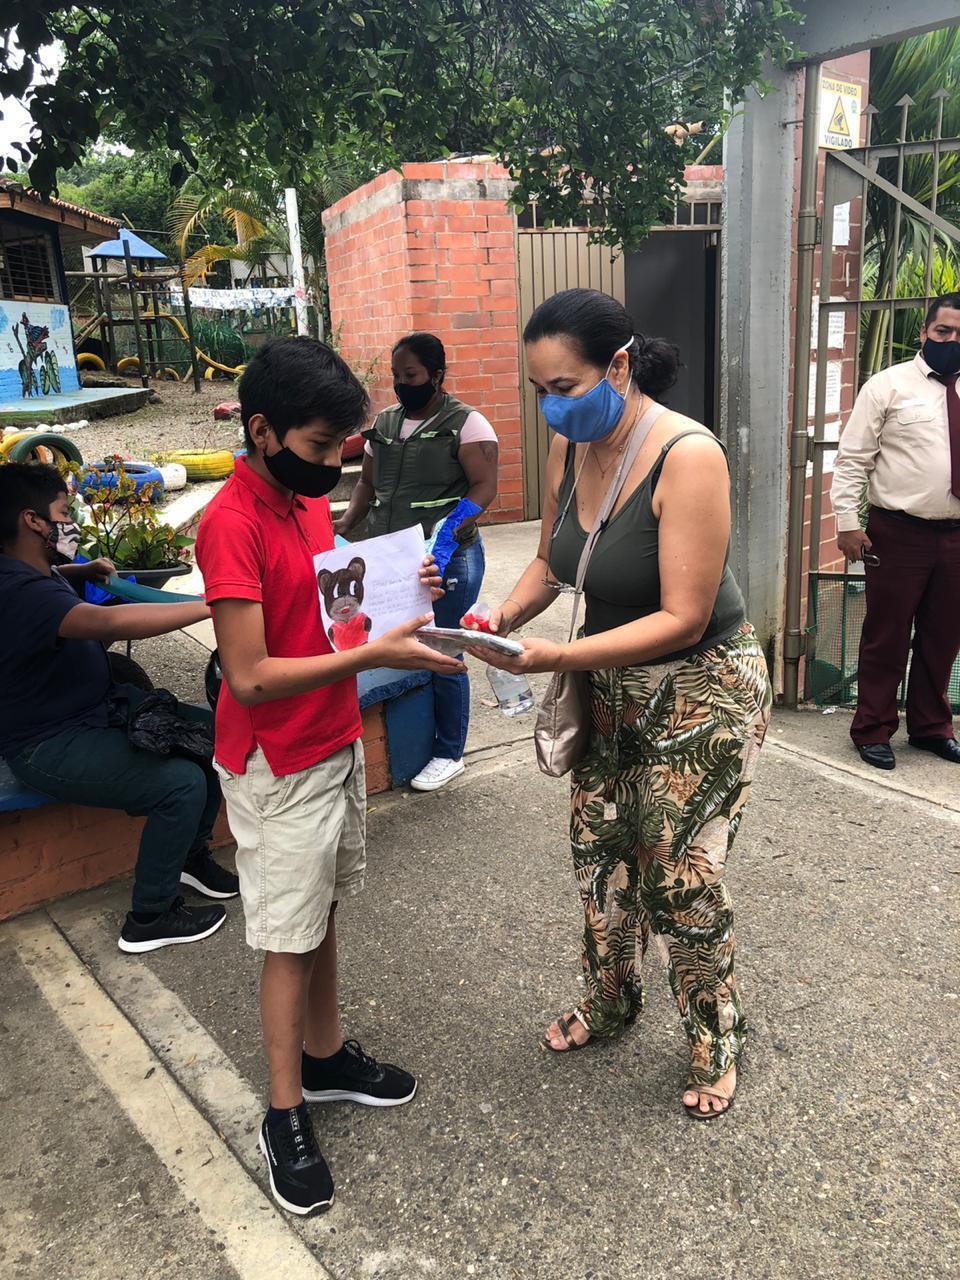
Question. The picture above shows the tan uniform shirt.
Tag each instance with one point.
(897, 438)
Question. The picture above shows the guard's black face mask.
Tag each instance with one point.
(942, 357)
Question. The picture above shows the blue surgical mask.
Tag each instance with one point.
(590, 416)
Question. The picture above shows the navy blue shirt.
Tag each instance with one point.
(46, 684)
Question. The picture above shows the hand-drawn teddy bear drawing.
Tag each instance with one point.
(342, 591)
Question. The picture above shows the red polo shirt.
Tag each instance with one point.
(256, 544)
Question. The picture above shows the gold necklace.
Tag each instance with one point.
(605, 469)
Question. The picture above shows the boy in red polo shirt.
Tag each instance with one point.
(288, 747)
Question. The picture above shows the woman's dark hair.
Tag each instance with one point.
(291, 380)
(26, 486)
(597, 326)
(428, 349)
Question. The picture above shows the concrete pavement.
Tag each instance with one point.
(839, 1158)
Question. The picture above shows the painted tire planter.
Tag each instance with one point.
(35, 440)
(174, 476)
(99, 475)
(201, 464)
(156, 578)
(11, 438)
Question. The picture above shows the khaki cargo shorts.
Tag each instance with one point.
(300, 845)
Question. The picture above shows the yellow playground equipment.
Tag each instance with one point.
(211, 364)
(129, 285)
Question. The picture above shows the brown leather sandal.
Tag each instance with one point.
(694, 1111)
(563, 1026)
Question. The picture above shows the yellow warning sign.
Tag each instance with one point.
(839, 122)
(839, 114)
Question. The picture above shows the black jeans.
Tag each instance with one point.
(99, 767)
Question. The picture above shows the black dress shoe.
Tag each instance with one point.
(945, 748)
(879, 754)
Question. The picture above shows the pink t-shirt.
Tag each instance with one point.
(475, 429)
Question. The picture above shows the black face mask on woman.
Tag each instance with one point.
(414, 395)
(308, 479)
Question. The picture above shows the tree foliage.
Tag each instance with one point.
(136, 193)
(574, 95)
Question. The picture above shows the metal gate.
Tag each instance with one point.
(884, 251)
(548, 261)
(670, 285)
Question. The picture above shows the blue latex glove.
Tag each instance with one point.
(443, 544)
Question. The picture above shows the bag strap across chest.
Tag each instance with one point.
(641, 430)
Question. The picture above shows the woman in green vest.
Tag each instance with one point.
(422, 456)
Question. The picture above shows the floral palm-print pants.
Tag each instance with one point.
(656, 803)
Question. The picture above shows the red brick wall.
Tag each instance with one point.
(63, 848)
(375, 750)
(432, 247)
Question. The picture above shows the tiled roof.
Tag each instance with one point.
(27, 193)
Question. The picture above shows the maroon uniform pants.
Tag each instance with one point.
(915, 587)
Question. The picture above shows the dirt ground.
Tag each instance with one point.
(179, 419)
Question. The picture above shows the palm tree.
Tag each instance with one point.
(906, 263)
(256, 215)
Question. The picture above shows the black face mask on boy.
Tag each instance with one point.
(308, 479)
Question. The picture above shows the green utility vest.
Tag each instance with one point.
(417, 480)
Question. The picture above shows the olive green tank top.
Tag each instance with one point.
(623, 575)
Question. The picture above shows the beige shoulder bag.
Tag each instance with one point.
(562, 731)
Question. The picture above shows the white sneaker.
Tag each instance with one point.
(436, 773)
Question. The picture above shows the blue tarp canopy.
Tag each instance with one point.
(138, 248)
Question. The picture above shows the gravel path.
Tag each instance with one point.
(181, 419)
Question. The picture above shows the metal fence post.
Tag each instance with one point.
(793, 644)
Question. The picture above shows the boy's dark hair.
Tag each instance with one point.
(26, 486)
(291, 380)
(951, 300)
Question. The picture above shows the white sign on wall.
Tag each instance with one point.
(836, 329)
(841, 225)
(839, 114)
(834, 383)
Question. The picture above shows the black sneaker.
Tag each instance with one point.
(299, 1177)
(180, 924)
(209, 878)
(353, 1076)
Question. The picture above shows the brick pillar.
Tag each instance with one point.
(432, 246)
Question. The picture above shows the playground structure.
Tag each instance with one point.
(144, 285)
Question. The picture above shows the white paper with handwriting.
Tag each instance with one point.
(369, 587)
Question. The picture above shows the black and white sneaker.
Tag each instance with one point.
(209, 878)
(299, 1177)
(353, 1076)
(180, 924)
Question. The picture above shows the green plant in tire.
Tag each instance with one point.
(124, 526)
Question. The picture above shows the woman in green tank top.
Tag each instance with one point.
(679, 690)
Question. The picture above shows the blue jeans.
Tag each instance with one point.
(99, 767)
(451, 694)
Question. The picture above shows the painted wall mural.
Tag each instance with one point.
(36, 350)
